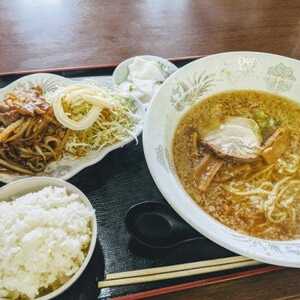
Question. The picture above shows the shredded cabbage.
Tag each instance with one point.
(112, 126)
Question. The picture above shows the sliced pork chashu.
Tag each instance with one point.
(237, 138)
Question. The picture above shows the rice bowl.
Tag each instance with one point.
(70, 241)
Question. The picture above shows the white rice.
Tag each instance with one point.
(44, 238)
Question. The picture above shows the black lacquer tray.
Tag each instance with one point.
(113, 185)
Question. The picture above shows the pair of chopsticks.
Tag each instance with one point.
(176, 271)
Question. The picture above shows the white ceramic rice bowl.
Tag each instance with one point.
(33, 184)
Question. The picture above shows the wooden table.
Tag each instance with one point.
(281, 285)
(65, 33)
(70, 33)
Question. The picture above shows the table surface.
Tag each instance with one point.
(71, 33)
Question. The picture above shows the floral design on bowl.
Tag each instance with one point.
(189, 85)
(187, 92)
(280, 78)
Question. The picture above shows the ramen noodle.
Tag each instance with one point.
(254, 189)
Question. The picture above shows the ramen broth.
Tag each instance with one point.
(259, 197)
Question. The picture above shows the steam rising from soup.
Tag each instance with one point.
(255, 190)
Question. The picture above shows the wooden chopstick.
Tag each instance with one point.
(186, 266)
(176, 271)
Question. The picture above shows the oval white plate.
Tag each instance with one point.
(203, 77)
(67, 167)
(33, 184)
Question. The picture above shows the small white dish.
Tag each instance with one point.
(33, 184)
(67, 167)
(120, 74)
(190, 85)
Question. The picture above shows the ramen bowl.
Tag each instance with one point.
(188, 86)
